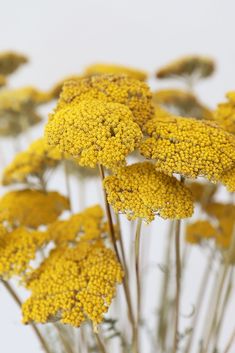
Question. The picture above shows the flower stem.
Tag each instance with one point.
(100, 344)
(230, 342)
(34, 327)
(113, 238)
(178, 278)
(138, 283)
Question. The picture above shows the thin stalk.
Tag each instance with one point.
(100, 344)
(178, 278)
(230, 342)
(163, 305)
(63, 340)
(67, 184)
(34, 327)
(124, 262)
(199, 302)
(138, 281)
(113, 238)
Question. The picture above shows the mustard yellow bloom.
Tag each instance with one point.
(228, 179)
(224, 114)
(31, 163)
(73, 285)
(200, 230)
(10, 61)
(193, 65)
(31, 208)
(17, 249)
(188, 147)
(86, 226)
(125, 90)
(182, 103)
(55, 91)
(139, 190)
(95, 132)
(100, 68)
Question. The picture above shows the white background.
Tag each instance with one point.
(62, 37)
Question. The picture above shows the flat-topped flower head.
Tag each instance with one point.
(121, 89)
(84, 226)
(31, 208)
(31, 164)
(95, 132)
(73, 285)
(188, 147)
(18, 248)
(56, 90)
(200, 230)
(101, 68)
(140, 191)
(187, 66)
(182, 103)
(228, 179)
(10, 62)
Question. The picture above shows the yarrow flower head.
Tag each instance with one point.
(31, 163)
(182, 103)
(224, 114)
(31, 208)
(95, 132)
(10, 61)
(73, 285)
(188, 147)
(200, 230)
(121, 89)
(100, 68)
(139, 190)
(187, 66)
(18, 248)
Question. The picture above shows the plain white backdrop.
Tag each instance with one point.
(62, 37)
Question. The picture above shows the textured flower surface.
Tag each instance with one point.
(87, 225)
(198, 231)
(95, 132)
(181, 102)
(202, 192)
(31, 163)
(73, 285)
(224, 114)
(99, 68)
(188, 147)
(10, 61)
(228, 179)
(31, 208)
(139, 190)
(125, 90)
(17, 249)
(199, 66)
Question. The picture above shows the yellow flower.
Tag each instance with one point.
(31, 163)
(199, 231)
(194, 65)
(31, 208)
(111, 88)
(17, 249)
(95, 132)
(224, 114)
(188, 147)
(73, 285)
(10, 61)
(86, 226)
(55, 91)
(99, 69)
(139, 190)
(182, 103)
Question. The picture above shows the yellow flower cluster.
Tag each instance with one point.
(139, 190)
(18, 109)
(188, 147)
(199, 66)
(182, 103)
(31, 163)
(17, 249)
(99, 69)
(86, 226)
(31, 208)
(73, 285)
(95, 132)
(125, 90)
(198, 231)
(224, 114)
(10, 61)
(55, 91)
(228, 179)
